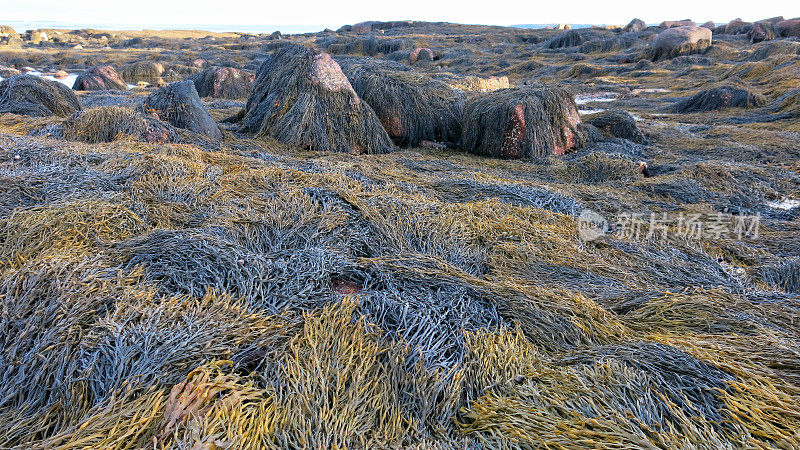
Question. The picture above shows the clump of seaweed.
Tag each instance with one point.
(249, 294)
(110, 123)
(522, 123)
(301, 97)
(412, 107)
(34, 96)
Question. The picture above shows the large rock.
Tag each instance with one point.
(148, 71)
(302, 97)
(619, 124)
(101, 78)
(412, 107)
(680, 41)
(6, 31)
(738, 26)
(9, 37)
(635, 25)
(35, 96)
(788, 28)
(37, 36)
(730, 96)
(676, 23)
(179, 104)
(761, 31)
(522, 123)
(223, 82)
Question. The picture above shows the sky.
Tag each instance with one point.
(318, 14)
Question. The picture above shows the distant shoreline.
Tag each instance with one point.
(22, 26)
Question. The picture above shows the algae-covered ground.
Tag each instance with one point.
(244, 293)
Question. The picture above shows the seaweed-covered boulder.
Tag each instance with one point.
(110, 123)
(738, 26)
(100, 78)
(142, 71)
(420, 55)
(634, 25)
(788, 28)
(679, 41)
(676, 23)
(412, 107)
(525, 123)
(730, 96)
(35, 96)
(566, 39)
(301, 96)
(619, 124)
(760, 32)
(178, 104)
(223, 82)
(610, 44)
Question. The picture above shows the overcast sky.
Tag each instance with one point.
(334, 13)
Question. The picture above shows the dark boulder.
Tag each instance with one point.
(142, 71)
(223, 82)
(566, 39)
(619, 124)
(101, 78)
(301, 97)
(412, 106)
(522, 123)
(676, 23)
(729, 96)
(179, 105)
(788, 28)
(35, 96)
(635, 25)
(772, 20)
(761, 31)
(738, 26)
(680, 41)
